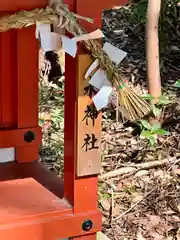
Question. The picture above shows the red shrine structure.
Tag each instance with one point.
(35, 204)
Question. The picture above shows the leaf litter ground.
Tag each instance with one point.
(139, 185)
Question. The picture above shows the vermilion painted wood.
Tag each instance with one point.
(75, 187)
(71, 182)
(32, 205)
(36, 170)
(8, 61)
(27, 72)
(19, 77)
(87, 237)
(16, 206)
(27, 88)
(49, 228)
(15, 138)
(17, 5)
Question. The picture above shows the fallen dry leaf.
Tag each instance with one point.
(139, 236)
(105, 204)
(177, 171)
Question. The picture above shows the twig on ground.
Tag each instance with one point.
(112, 205)
(133, 169)
(112, 155)
(131, 208)
(117, 172)
(173, 164)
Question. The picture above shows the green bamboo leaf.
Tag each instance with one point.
(152, 140)
(177, 84)
(163, 100)
(156, 111)
(155, 127)
(145, 124)
(161, 132)
(146, 133)
(147, 97)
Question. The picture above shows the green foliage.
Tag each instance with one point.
(150, 132)
(163, 100)
(57, 118)
(145, 124)
(139, 11)
(107, 195)
(51, 101)
(156, 111)
(129, 189)
(167, 20)
(167, 16)
(147, 96)
(177, 84)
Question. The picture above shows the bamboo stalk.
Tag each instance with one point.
(152, 48)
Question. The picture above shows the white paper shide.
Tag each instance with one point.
(100, 81)
(52, 41)
(114, 53)
(101, 99)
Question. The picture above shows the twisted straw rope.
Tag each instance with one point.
(26, 18)
(67, 20)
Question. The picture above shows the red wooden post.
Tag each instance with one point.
(81, 192)
(19, 83)
(34, 204)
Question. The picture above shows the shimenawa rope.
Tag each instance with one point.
(128, 99)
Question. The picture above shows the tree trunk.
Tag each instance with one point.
(152, 48)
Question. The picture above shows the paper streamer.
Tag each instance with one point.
(99, 79)
(51, 42)
(101, 99)
(114, 53)
(42, 29)
(93, 66)
(69, 45)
